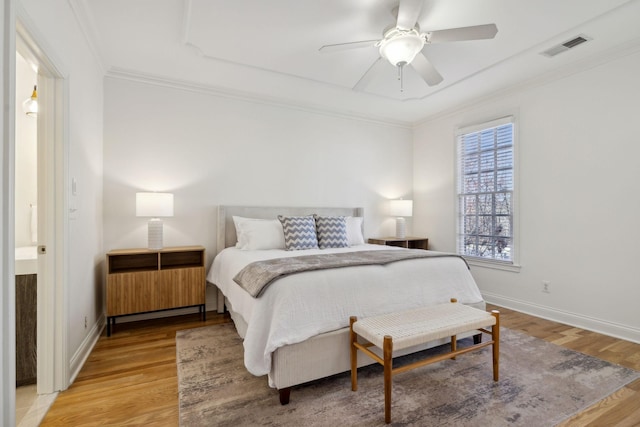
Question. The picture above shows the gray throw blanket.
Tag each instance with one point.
(257, 276)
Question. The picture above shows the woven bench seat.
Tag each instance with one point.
(397, 331)
(421, 325)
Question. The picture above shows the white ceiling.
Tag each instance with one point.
(268, 50)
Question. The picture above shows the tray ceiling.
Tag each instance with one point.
(269, 49)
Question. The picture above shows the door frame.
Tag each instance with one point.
(7, 217)
(52, 358)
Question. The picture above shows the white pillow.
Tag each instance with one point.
(354, 230)
(240, 239)
(256, 234)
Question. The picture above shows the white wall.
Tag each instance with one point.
(579, 175)
(211, 150)
(26, 178)
(59, 31)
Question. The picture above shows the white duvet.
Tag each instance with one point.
(297, 307)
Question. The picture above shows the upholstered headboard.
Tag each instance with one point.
(226, 230)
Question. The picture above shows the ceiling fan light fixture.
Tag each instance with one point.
(399, 47)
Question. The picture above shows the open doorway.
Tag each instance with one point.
(26, 235)
(40, 221)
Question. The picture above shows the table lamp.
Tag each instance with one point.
(400, 209)
(154, 205)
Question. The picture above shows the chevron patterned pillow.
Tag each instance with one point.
(332, 231)
(299, 232)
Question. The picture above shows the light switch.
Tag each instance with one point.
(74, 187)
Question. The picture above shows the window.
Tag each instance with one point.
(486, 191)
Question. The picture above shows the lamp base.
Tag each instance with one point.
(155, 233)
(401, 228)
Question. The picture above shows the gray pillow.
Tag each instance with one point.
(331, 231)
(299, 232)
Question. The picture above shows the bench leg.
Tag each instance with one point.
(354, 354)
(388, 368)
(495, 332)
(454, 345)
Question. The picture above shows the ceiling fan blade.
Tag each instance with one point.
(327, 48)
(426, 70)
(367, 76)
(476, 32)
(408, 13)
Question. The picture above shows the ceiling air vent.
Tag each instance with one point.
(563, 47)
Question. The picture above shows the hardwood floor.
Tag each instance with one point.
(130, 377)
(618, 409)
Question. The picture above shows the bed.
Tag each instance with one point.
(296, 331)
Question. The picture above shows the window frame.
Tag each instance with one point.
(513, 263)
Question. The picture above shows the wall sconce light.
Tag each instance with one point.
(30, 106)
(400, 209)
(154, 205)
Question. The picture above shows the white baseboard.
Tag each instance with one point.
(578, 320)
(83, 352)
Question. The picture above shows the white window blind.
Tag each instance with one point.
(486, 190)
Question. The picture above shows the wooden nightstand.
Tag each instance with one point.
(145, 280)
(407, 242)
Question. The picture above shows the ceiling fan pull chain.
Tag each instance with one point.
(401, 76)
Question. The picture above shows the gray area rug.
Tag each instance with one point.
(540, 384)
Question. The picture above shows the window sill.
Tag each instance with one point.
(496, 265)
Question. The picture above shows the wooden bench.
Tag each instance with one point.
(397, 331)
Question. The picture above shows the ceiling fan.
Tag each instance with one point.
(403, 44)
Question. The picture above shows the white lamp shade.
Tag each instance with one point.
(401, 207)
(154, 205)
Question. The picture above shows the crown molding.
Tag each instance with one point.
(621, 51)
(156, 80)
(87, 25)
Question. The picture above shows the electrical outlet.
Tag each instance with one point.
(546, 287)
(85, 322)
